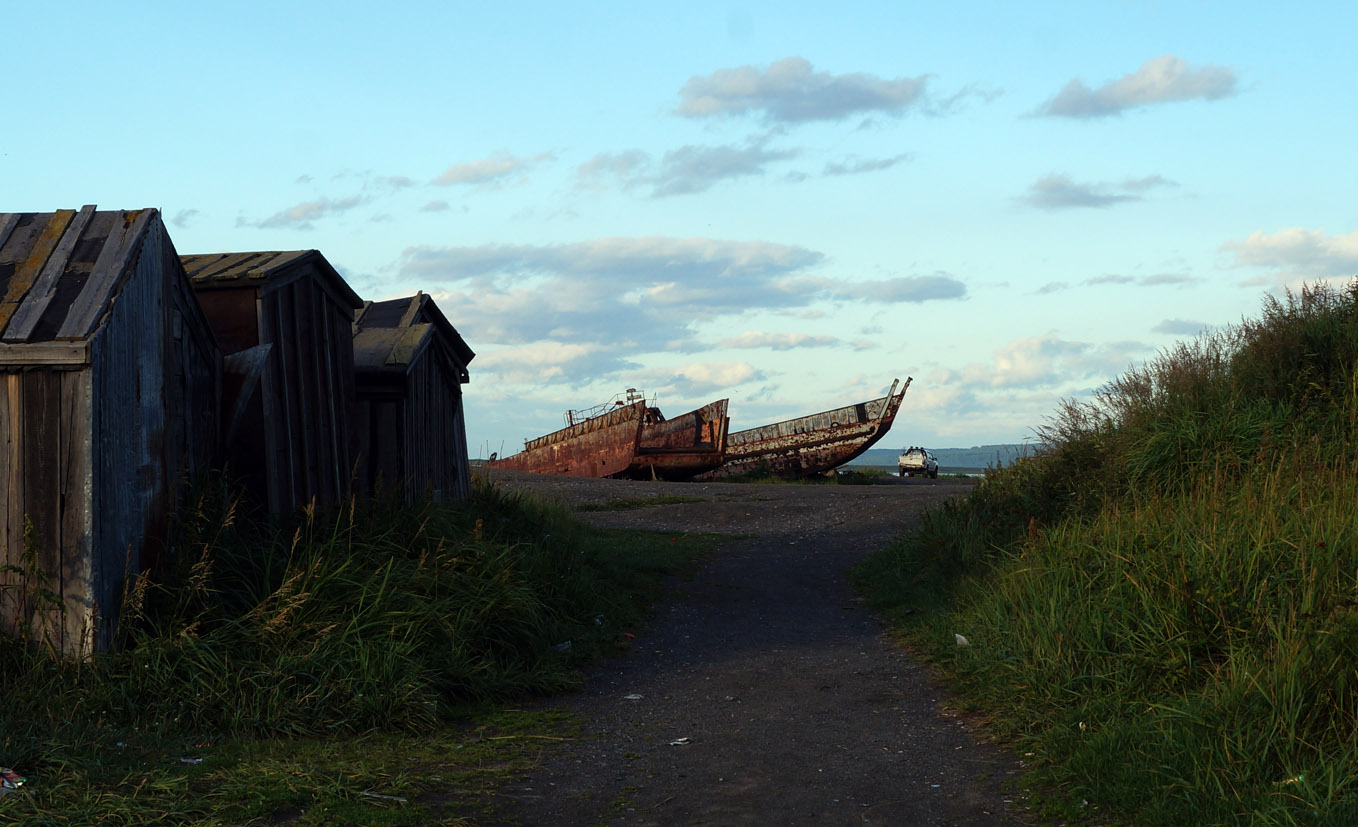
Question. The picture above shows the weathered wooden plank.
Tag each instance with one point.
(205, 269)
(420, 449)
(339, 396)
(7, 223)
(29, 268)
(335, 469)
(11, 461)
(14, 481)
(39, 297)
(76, 527)
(273, 263)
(34, 354)
(312, 266)
(412, 310)
(342, 367)
(245, 369)
(42, 496)
(277, 412)
(286, 337)
(361, 425)
(407, 350)
(261, 444)
(387, 446)
(118, 250)
(358, 314)
(300, 335)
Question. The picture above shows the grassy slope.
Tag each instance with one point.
(1162, 608)
(356, 670)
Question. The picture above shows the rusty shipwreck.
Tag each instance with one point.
(812, 444)
(628, 438)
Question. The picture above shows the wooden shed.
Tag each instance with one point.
(409, 367)
(284, 323)
(109, 390)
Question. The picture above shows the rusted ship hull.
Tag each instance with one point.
(632, 440)
(598, 447)
(683, 447)
(813, 444)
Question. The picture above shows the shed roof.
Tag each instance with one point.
(392, 333)
(398, 314)
(390, 348)
(265, 271)
(60, 271)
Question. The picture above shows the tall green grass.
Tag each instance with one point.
(377, 616)
(1162, 606)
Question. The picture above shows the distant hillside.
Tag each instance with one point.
(979, 456)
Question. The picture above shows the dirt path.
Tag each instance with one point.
(767, 695)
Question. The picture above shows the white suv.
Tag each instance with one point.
(917, 460)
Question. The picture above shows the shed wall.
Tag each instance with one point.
(45, 518)
(154, 414)
(412, 431)
(297, 444)
(435, 435)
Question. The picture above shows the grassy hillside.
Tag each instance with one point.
(1162, 606)
(328, 668)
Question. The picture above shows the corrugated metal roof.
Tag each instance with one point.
(212, 271)
(60, 270)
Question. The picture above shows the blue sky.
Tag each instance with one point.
(784, 204)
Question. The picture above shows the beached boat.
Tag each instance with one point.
(812, 444)
(628, 438)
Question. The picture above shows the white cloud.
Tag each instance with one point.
(1161, 279)
(632, 260)
(628, 167)
(1297, 252)
(706, 377)
(1111, 279)
(1161, 79)
(683, 171)
(1154, 280)
(614, 302)
(1056, 191)
(910, 289)
(302, 215)
(853, 165)
(543, 362)
(691, 169)
(183, 218)
(394, 182)
(777, 341)
(1047, 362)
(790, 91)
(495, 170)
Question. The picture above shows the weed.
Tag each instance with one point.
(354, 636)
(1161, 603)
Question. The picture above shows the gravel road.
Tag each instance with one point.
(764, 693)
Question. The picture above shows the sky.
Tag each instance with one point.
(784, 204)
